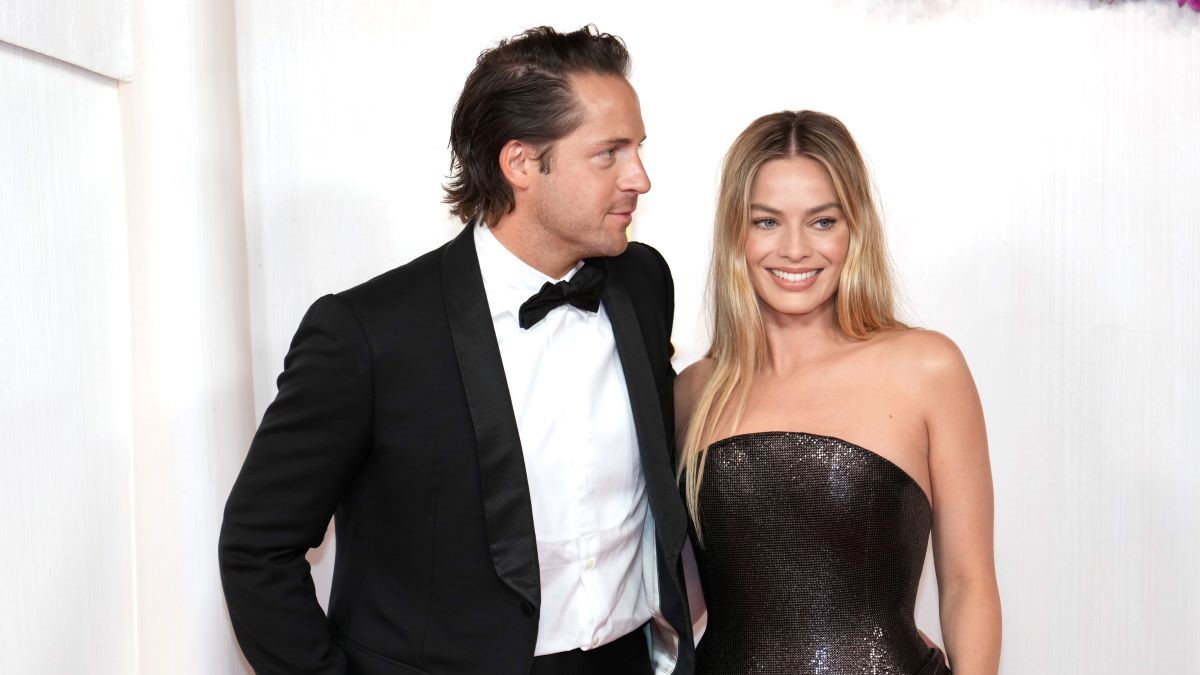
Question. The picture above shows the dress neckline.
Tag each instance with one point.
(842, 441)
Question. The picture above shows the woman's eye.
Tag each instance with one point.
(825, 223)
(764, 223)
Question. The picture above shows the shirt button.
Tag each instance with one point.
(591, 562)
(595, 642)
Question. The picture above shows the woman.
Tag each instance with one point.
(823, 439)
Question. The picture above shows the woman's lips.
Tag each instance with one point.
(794, 280)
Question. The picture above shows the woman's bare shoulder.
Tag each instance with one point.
(688, 386)
(931, 366)
(690, 382)
(922, 353)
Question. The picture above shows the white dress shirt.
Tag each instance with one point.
(581, 458)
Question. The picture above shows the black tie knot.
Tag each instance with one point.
(582, 290)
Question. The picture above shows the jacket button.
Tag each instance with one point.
(526, 608)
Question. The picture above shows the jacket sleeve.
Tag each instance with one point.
(312, 441)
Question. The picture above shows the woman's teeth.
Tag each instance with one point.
(795, 276)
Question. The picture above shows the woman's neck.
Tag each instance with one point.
(796, 342)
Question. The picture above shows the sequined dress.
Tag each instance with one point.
(813, 548)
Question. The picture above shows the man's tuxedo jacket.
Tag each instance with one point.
(393, 414)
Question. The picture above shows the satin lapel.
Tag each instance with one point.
(670, 522)
(506, 506)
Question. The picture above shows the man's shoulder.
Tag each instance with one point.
(642, 261)
(640, 253)
(644, 274)
(413, 281)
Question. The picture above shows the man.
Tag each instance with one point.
(498, 463)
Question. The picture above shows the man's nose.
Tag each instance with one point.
(635, 178)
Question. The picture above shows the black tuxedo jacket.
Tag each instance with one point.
(393, 414)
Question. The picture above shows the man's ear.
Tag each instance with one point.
(517, 162)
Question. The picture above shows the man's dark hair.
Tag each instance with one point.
(520, 90)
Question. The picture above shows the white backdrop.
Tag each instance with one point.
(1036, 161)
(95, 35)
(67, 578)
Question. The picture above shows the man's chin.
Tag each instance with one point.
(616, 247)
(607, 245)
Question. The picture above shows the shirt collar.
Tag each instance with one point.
(507, 280)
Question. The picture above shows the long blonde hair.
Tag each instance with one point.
(865, 302)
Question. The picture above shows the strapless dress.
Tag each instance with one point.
(812, 551)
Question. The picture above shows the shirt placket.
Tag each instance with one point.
(589, 545)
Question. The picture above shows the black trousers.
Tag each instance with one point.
(627, 655)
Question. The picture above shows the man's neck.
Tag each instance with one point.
(524, 240)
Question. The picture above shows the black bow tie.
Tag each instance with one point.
(582, 291)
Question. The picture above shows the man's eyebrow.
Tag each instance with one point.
(620, 141)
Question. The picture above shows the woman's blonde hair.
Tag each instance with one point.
(865, 302)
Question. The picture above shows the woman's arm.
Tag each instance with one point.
(961, 480)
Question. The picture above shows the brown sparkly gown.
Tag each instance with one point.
(813, 548)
